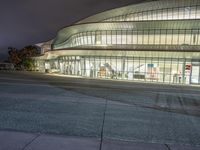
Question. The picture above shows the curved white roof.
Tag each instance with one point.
(97, 22)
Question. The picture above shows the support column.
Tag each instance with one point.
(183, 72)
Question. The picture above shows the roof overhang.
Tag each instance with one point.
(109, 53)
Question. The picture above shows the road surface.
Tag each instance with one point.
(102, 109)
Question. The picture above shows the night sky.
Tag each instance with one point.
(25, 22)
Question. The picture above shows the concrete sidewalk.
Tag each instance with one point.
(10, 140)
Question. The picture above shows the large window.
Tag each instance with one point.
(155, 69)
(114, 38)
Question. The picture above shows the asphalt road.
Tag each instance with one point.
(129, 111)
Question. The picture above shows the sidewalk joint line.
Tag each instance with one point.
(102, 129)
(31, 141)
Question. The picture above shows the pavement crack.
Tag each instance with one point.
(102, 128)
(30, 142)
(167, 146)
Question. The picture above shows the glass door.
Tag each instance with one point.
(195, 74)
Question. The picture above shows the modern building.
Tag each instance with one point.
(156, 41)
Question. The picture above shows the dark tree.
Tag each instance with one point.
(14, 56)
(23, 58)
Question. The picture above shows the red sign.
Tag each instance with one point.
(187, 67)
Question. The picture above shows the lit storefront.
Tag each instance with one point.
(151, 42)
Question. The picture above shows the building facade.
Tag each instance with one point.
(156, 41)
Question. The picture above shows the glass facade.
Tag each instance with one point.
(154, 69)
(150, 37)
(157, 41)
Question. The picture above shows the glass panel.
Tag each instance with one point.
(157, 37)
(135, 37)
(140, 37)
(109, 40)
(195, 74)
(151, 37)
(103, 38)
(129, 37)
(98, 38)
(145, 37)
(123, 37)
(114, 37)
(119, 37)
